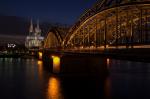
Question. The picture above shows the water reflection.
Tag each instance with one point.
(83, 78)
(40, 69)
(56, 64)
(107, 88)
(108, 63)
(54, 88)
(40, 62)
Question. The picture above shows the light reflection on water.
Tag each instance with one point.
(29, 79)
(108, 62)
(53, 84)
(107, 88)
(40, 69)
(54, 88)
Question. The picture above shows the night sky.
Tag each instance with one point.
(60, 11)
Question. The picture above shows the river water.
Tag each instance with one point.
(80, 78)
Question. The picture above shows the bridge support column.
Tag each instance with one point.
(47, 61)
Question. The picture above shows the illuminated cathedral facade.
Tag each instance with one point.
(34, 39)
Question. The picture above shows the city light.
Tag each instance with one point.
(40, 62)
(40, 55)
(56, 64)
(11, 45)
(108, 62)
(40, 69)
(54, 90)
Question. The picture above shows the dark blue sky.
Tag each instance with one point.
(61, 11)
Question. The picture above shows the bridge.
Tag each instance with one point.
(108, 24)
(110, 27)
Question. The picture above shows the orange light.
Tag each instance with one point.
(108, 62)
(107, 87)
(40, 55)
(56, 64)
(40, 69)
(32, 53)
(107, 46)
(54, 90)
(40, 62)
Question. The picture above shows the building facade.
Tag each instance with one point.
(34, 39)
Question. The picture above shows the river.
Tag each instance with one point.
(82, 78)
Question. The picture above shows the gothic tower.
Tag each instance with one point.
(37, 29)
(31, 27)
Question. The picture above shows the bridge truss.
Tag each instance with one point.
(112, 23)
(53, 39)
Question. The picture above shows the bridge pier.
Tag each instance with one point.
(74, 64)
(47, 61)
(52, 61)
(84, 66)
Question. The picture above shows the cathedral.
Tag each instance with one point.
(34, 39)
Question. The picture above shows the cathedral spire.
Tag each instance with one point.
(31, 26)
(37, 29)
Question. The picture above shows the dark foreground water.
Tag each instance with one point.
(89, 78)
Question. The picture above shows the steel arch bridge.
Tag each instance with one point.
(53, 38)
(112, 23)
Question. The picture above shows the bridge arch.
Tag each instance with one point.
(112, 23)
(53, 39)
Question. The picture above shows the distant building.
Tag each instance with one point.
(34, 39)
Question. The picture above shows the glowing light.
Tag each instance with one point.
(101, 47)
(108, 62)
(11, 45)
(40, 55)
(40, 69)
(54, 90)
(40, 62)
(107, 46)
(32, 53)
(81, 47)
(91, 47)
(56, 64)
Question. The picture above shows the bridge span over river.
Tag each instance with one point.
(109, 24)
(112, 28)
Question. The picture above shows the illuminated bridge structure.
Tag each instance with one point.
(54, 39)
(111, 28)
(108, 24)
(112, 23)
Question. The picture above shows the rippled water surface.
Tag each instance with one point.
(80, 78)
